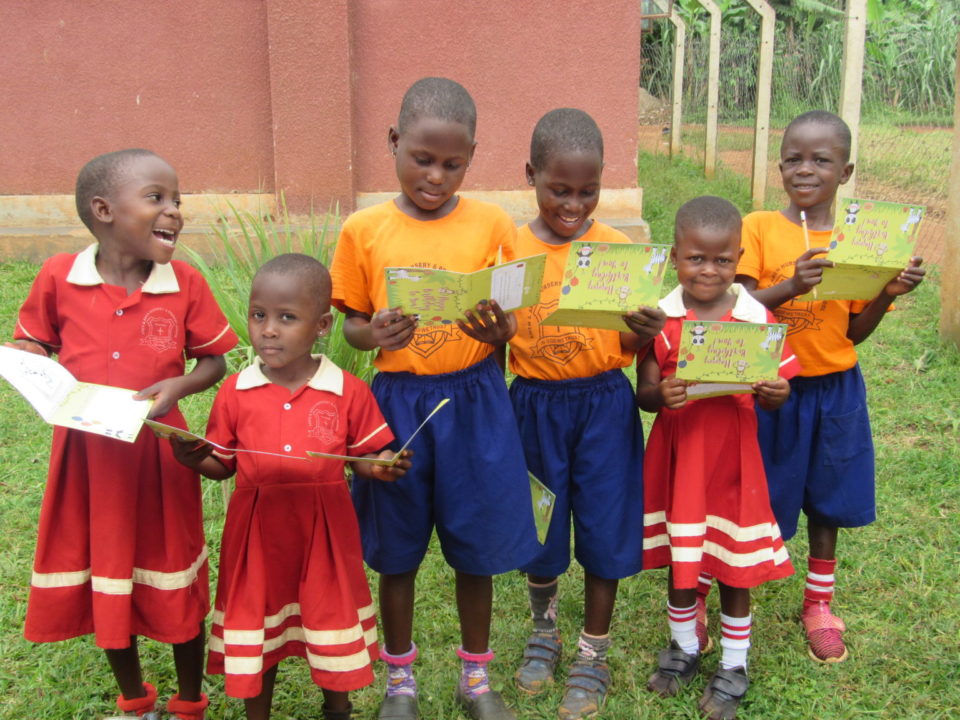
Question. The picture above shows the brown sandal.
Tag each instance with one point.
(675, 669)
(723, 693)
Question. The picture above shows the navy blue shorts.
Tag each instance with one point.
(818, 453)
(468, 479)
(584, 440)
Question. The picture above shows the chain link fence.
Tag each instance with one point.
(908, 95)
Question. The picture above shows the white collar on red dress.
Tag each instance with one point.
(328, 376)
(162, 278)
(746, 308)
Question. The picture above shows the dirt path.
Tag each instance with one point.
(930, 244)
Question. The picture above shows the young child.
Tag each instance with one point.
(579, 423)
(470, 480)
(120, 551)
(817, 448)
(291, 571)
(706, 503)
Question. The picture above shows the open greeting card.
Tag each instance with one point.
(440, 297)
(167, 431)
(872, 242)
(61, 399)
(386, 463)
(603, 281)
(724, 358)
(544, 500)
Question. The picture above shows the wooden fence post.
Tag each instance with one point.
(950, 269)
(713, 90)
(761, 133)
(851, 82)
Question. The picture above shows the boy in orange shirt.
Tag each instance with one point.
(817, 448)
(470, 480)
(580, 426)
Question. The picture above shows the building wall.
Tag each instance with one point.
(250, 96)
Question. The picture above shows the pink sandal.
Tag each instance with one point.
(824, 634)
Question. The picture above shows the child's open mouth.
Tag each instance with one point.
(167, 237)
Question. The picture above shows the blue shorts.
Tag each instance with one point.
(468, 477)
(583, 439)
(818, 453)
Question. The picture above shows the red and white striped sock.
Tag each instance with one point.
(820, 582)
(683, 628)
(734, 641)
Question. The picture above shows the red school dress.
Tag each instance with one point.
(120, 548)
(291, 568)
(706, 505)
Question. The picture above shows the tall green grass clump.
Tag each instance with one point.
(245, 241)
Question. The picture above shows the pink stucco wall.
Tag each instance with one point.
(517, 59)
(297, 95)
(189, 80)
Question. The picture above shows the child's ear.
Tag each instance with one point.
(673, 255)
(393, 138)
(847, 172)
(324, 323)
(100, 207)
(473, 149)
(531, 175)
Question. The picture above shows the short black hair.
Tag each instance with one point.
(440, 98)
(707, 211)
(564, 130)
(829, 119)
(304, 269)
(100, 177)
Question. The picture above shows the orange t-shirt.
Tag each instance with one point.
(817, 329)
(549, 352)
(470, 238)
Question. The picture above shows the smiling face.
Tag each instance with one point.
(141, 214)
(432, 159)
(568, 190)
(284, 320)
(813, 164)
(706, 261)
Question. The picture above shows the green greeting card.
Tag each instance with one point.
(872, 242)
(544, 500)
(440, 297)
(602, 281)
(728, 357)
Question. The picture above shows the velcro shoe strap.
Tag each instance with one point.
(542, 647)
(730, 683)
(589, 677)
(675, 661)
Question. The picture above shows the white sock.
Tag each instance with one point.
(683, 628)
(734, 641)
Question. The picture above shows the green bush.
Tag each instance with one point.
(245, 242)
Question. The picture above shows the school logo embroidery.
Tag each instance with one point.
(559, 348)
(323, 421)
(426, 341)
(159, 330)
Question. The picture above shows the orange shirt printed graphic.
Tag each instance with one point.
(473, 236)
(550, 352)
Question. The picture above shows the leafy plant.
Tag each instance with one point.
(247, 241)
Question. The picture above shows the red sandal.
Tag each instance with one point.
(824, 634)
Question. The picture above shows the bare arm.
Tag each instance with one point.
(198, 456)
(808, 272)
(206, 373)
(384, 472)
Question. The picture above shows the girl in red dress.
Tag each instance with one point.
(120, 551)
(291, 570)
(706, 507)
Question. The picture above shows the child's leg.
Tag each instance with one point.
(542, 651)
(475, 608)
(678, 663)
(589, 676)
(125, 664)
(398, 652)
(336, 705)
(189, 703)
(258, 708)
(729, 683)
(824, 629)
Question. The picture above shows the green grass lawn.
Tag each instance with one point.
(897, 579)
